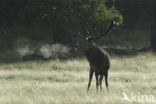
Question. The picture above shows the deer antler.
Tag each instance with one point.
(90, 39)
(82, 36)
(103, 33)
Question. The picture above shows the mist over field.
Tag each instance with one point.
(25, 47)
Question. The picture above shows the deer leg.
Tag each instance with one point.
(106, 80)
(100, 81)
(97, 82)
(90, 78)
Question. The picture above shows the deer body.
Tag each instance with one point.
(99, 63)
(98, 58)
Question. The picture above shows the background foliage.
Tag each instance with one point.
(52, 20)
(58, 21)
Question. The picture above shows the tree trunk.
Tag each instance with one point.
(153, 30)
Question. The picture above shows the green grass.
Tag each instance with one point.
(65, 82)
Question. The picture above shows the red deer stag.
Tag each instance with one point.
(98, 59)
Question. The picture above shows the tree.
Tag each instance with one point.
(80, 16)
(153, 30)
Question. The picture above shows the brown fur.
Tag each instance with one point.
(98, 58)
(99, 63)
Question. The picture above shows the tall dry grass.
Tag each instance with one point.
(65, 82)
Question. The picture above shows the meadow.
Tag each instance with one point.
(65, 82)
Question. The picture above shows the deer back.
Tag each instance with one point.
(98, 57)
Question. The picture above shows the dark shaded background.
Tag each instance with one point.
(37, 21)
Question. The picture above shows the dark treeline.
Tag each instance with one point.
(59, 20)
(52, 20)
(134, 10)
(153, 30)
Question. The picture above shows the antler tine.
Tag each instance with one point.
(86, 36)
(83, 36)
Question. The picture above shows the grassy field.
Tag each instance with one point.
(65, 82)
